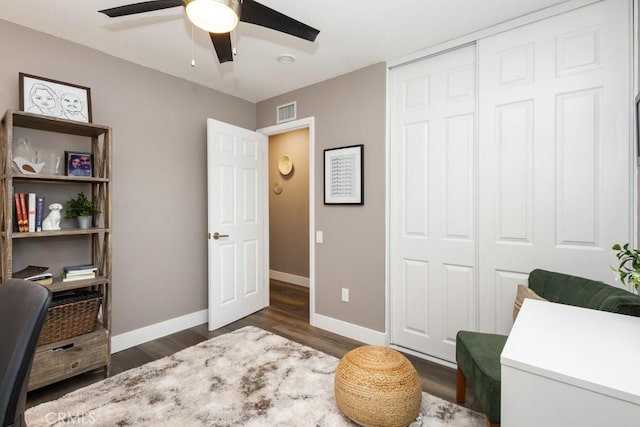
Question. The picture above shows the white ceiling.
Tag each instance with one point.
(353, 34)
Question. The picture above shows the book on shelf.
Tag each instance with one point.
(20, 215)
(16, 197)
(23, 213)
(44, 281)
(39, 212)
(71, 270)
(35, 273)
(32, 272)
(31, 212)
(74, 277)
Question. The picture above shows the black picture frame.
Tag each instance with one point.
(77, 163)
(344, 175)
(41, 95)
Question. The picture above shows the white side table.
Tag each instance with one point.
(570, 366)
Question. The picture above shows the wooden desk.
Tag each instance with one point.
(570, 366)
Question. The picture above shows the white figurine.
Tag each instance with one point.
(52, 221)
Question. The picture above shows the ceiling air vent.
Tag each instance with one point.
(286, 112)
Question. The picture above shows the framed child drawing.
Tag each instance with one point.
(54, 98)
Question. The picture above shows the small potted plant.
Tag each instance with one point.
(83, 209)
(628, 271)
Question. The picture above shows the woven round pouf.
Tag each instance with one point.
(377, 386)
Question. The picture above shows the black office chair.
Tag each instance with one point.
(23, 310)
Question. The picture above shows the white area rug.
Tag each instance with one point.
(249, 377)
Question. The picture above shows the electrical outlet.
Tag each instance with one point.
(345, 294)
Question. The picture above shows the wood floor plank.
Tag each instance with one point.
(287, 316)
(129, 359)
(185, 338)
(161, 347)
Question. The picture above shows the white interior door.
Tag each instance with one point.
(554, 151)
(237, 185)
(432, 202)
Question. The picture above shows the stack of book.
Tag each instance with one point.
(79, 272)
(29, 211)
(35, 273)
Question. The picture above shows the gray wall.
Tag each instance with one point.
(289, 210)
(159, 167)
(348, 110)
(159, 176)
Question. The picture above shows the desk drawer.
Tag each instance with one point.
(64, 359)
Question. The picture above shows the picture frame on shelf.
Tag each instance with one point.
(54, 98)
(78, 163)
(344, 175)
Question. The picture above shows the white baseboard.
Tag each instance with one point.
(367, 336)
(349, 330)
(289, 278)
(148, 333)
(424, 356)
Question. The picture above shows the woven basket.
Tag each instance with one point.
(377, 386)
(67, 320)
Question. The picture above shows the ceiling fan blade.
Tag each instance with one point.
(222, 45)
(259, 14)
(145, 6)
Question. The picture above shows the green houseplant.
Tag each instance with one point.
(628, 271)
(82, 208)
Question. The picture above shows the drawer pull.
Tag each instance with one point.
(63, 348)
(74, 365)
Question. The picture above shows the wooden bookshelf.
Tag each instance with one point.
(60, 360)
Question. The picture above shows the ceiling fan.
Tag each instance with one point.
(220, 17)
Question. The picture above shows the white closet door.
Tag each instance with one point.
(554, 151)
(432, 202)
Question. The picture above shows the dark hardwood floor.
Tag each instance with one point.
(287, 316)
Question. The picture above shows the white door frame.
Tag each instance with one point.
(308, 123)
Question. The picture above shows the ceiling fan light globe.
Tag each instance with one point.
(214, 16)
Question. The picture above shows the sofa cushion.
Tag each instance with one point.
(523, 292)
(581, 292)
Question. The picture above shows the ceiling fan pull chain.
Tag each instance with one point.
(233, 49)
(193, 50)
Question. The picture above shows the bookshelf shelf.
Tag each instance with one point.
(65, 232)
(68, 246)
(55, 179)
(59, 286)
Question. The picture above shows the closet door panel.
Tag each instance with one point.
(514, 168)
(432, 202)
(578, 145)
(555, 169)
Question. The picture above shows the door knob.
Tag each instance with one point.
(217, 235)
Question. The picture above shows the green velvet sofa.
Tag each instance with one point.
(478, 354)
